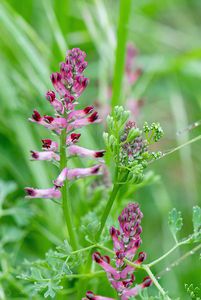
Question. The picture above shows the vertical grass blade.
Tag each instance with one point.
(124, 13)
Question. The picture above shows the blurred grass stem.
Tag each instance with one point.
(122, 32)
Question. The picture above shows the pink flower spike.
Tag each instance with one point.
(58, 106)
(42, 193)
(48, 144)
(79, 114)
(91, 296)
(80, 151)
(83, 172)
(61, 178)
(44, 155)
(105, 265)
(73, 138)
(56, 79)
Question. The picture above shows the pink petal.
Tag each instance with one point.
(42, 193)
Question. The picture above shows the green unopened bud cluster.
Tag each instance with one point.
(154, 132)
(128, 146)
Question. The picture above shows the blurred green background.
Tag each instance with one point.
(34, 38)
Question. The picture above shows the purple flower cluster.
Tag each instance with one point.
(126, 241)
(132, 149)
(69, 84)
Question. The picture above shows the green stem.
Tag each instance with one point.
(67, 210)
(177, 262)
(84, 249)
(108, 209)
(156, 283)
(124, 12)
(168, 253)
(197, 138)
(87, 275)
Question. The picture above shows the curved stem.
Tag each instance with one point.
(124, 12)
(67, 210)
(168, 253)
(108, 209)
(197, 138)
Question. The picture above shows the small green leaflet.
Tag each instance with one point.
(175, 221)
(196, 219)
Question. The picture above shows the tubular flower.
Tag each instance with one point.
(91, 296)
(126, 241)
(44, 155)
(80, 151)
(83, 172)
(49, 145)
(69, 84)
(73, 138)
(42, 193)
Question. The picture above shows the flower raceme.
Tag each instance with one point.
(69, 84)
(126, 241)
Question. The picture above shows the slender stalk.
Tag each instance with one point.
(87, 275)
(197, 138)
(84, 249)
(67, 210)
(156, 283)
(108, 209)
(106, 249)
(122, 32)
(177, 262)
(169, 252)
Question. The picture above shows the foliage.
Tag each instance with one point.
(34, 38)
(175, 222)
(193, 292)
